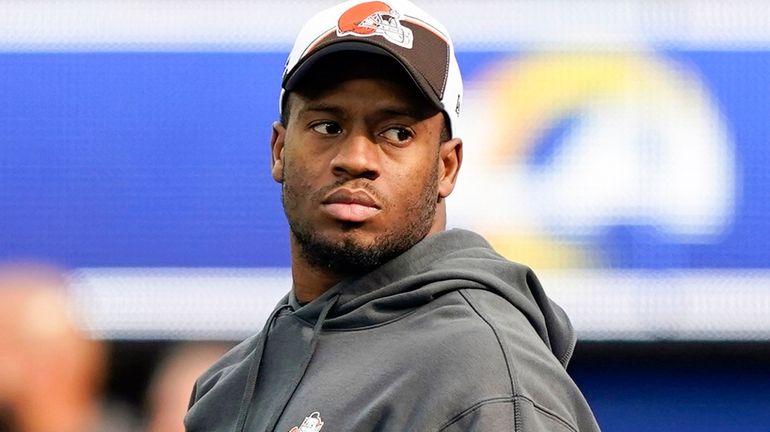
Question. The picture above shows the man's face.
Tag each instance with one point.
(360, 166)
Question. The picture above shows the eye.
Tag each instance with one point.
(397, 134)
(327, 128)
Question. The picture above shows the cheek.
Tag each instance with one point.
(296, 182)
(411, 187)
(293, 178)
(301, 181)
(302, 158)
(297, 164)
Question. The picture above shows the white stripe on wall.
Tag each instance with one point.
(270, 25)
(231, 304)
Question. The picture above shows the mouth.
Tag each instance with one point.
(350, 205)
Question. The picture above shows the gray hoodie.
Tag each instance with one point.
(448, 336)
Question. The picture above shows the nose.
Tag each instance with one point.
(357, 157)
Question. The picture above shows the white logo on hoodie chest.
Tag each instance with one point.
(312, 423)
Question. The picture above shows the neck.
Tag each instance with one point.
(309, 281)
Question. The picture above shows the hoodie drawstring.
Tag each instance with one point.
(306, 361)
(251, 380)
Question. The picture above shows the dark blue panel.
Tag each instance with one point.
(161, 159)
(741, 83)
(140, 159)
(694, 388)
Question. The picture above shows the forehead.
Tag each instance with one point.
(328, 73)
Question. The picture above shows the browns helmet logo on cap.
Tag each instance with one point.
(375, 19)
(396, 28)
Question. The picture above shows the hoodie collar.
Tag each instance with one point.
(401, 275)
(443, 262)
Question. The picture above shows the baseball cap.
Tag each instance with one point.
(395, 28)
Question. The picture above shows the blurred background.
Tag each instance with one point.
(620, 148)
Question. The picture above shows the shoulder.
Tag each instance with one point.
(451, 325)
(234, 361)
(449, 349)
(479, 348)
(216, 396)
(542, 392)
(514, 413)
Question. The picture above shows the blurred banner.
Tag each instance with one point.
(619, 148)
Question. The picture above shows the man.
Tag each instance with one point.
(393, 323)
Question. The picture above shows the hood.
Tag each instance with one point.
(441, 263)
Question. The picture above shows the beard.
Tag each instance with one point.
(347, 256)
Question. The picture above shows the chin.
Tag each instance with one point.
(350, 234)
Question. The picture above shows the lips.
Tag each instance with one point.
(350, 205)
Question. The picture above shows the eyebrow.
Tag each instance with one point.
(402, 112)
(336, 110)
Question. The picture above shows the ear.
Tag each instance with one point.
(450, 159)
(276, 149)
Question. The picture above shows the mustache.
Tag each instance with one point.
(363, 184)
